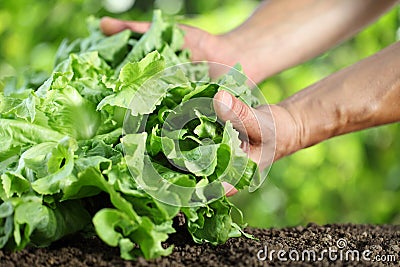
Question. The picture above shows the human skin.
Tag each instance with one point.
(364, 95)
(285, 33)
(278, 35)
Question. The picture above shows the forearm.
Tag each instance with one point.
(284, 33)
(364, 95)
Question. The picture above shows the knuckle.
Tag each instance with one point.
(241, 111)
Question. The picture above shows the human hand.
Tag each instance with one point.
(203, 45)
(268, 132)
(256, 126)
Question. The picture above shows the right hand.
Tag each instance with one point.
(269, 131)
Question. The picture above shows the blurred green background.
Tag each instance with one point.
(352, 178)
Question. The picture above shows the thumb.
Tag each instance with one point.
(242, 117)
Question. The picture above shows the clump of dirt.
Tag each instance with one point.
(332, 245)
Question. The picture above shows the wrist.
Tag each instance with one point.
(288, 131)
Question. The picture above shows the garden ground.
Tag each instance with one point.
(334, 245)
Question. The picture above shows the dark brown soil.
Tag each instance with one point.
(371, 240)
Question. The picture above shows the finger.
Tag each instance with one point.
(138, 26)
(242, 117)
(111, 26)
(230, 190)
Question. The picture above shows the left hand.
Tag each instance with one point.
(203, 45)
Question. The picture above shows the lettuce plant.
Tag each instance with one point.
(121, 137)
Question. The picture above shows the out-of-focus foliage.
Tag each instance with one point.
(352, 178)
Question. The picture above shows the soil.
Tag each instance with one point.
(341, 243)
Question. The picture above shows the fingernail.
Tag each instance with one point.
(226, 102)
(229, 189)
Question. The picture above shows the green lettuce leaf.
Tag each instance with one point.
(112, 140)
